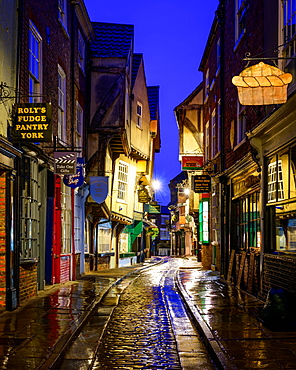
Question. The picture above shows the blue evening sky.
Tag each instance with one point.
(172, 35)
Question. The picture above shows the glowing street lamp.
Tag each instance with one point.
(156, 185)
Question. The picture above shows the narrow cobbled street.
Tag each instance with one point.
(148, 329)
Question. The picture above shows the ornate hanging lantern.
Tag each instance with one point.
(262, 84)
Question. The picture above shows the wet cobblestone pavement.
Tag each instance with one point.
(148, 329)
(229, 320)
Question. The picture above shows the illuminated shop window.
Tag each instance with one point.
(275, 182)
(66, 216)
(29, 209)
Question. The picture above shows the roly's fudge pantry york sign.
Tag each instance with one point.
(32, 123)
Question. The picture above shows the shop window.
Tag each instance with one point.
(122, 181)
(66, 216)
(275, 182)
(34, 64)
(247, 222)
(29, 209)
(104, 238)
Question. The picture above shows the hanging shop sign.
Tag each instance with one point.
(201, 184)
(99, 186)
(192, 162)
(32, 123)
(65, 163)
(143, 196)
(76, 180)
(152, 208)
(262, 84)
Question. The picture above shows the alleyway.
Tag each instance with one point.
(149, 328)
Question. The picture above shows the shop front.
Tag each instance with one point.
(275, 143)
(9, 225)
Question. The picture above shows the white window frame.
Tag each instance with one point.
(275, 181)
(241, 123)
(62, 8)
(62, 103)
(81, 51)
(35, 58)
(66, 214)
(123, 172)
(139, 115)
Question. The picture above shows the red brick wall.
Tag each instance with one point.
(2, 240)
(28, 281)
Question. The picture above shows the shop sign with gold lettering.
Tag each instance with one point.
(202, 184)
(32, 123)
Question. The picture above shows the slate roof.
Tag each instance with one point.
(153, 98)
(112, 40)
(137, 58)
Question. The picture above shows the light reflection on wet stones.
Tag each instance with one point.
(139, 335)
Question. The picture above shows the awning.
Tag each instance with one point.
(134, 230)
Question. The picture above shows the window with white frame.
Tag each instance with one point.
(240, 19)
(81, 51)
(104, 239)
(122, 181)
(62, 8)
(79, 126)
(34, 64)
(214, 133)
(289, 26)
(62, 132)
(241, 123)
(139, 114)
(207, 142)
(66, 215)
(275, 182)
